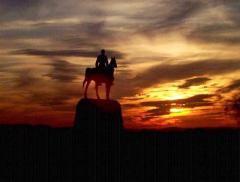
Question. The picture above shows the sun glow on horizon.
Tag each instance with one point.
(176, 111)
(171, 93)
(175, 96)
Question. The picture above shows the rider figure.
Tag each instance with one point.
(102, 61)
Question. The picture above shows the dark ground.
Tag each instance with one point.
(103, 152)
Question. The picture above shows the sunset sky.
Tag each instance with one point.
(178, 61)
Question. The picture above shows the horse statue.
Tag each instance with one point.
(100, 76)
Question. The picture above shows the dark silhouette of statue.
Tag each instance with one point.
(103, 73)
(98, 129)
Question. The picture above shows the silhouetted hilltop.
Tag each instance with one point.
(40, 153)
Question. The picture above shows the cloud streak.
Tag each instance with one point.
(178, 12)
(65, 53)
(64, 71)
(164, 73)
(235, 85)
(163, 107)
(194, 82)
(191, 102)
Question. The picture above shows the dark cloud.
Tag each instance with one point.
(67, 53)
(97, 30)
(19, 4)
(191, 102)
(25, 78)
(33, 32)
(80, 42)
(64, 71)
(57, 29)
(45, 9)
(197, 100)
(174, 15)
(216, 33)
(194, 82)
(85, 36)
(32, 88)
(21, 77)
(232, 8)
(54, 95)
(125, 106)
(94, 28)
(164, 110)
(219, 32)
(235, 85)
(20, 9)
(163, 73)
(62, 93)
(180, 11)
(163, 107)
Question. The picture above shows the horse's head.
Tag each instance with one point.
(113, 62)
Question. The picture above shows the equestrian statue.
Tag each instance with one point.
(102, 73)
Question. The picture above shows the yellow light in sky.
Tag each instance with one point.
(174, 96)
(178, 111)
(163, 94)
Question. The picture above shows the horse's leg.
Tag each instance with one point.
(86, 88)
(107, 90)
(96, 88)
